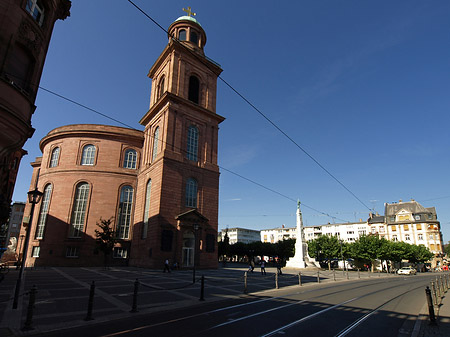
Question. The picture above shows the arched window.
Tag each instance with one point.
(79, 210)
(88, 155)
(192, 143)
(161, 88)
(129, 160)
(194, 88)
(43, 212)
(147, 208)
(182, 35)
(35, 8)
(124, 213)
(194, 37)
(191, 193)
(55, 157)
(155, 143)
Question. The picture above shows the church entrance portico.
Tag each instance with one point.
(188, 249)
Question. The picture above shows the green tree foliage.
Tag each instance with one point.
(105, 238)
(285, 249)
(325, 248)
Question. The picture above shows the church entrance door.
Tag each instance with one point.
(188, 249)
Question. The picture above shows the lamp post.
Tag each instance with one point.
(342, 257)
(195, 251)
(34, 197)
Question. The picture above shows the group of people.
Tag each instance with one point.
(262, 263)
(167, 266)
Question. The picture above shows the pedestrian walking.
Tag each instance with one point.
(166, 266)
(279, 266)
(263, 267)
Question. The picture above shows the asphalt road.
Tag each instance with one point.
(371, 307)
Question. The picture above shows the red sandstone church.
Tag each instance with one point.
(160, 186)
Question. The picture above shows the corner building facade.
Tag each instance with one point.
(163, 207)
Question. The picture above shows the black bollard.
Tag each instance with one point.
(136, 287)
(90, 302)
(245, 283)
(433, 288)
(29, 321)
(299, 278)
(202, 289)
(430, 306)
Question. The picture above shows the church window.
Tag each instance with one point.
(55, 157)
(191, 193)
(88, 155)
(155, 143)
(120, 253)
(43, 212)
(79, 210)
(72, 252)
(130, 159)
(35, 252)
(146, 208)
(166, 240)
(125, 210)
(182, 35)
(194, 89)
(192, 143)
(35, 8)
(194, 37)
(161, 88)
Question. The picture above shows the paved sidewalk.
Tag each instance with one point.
(62, 293)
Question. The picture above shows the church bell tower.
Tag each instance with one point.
(176, 214)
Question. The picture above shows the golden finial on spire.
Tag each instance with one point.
(189, 11)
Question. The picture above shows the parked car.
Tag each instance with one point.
(406, 271)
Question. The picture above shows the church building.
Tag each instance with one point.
(160, 186)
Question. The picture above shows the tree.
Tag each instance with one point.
(325, 247)
(367, 248)
(105, 238)
(285, 248)
(420, 253)
(224, 246)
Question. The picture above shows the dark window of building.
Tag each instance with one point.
(43, 212)
(210, 243)
(124, 213)
(166, 240)
(79, 210)
(194, 89)
(161, 87)
(191, 193)
(36, 10)
(148, 191)
(192, 143)
(20, 67)
(155, 143)
(194, 37)
(182, 35)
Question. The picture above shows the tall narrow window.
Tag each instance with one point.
(79, 210)
(129, 160)
(194, 37)
(191, 193)
(182, 35)
(124, 214)
(55, 157)
(192, 143)
(43, 212)
(161, 87)
(194, 88)
(146, 208)
(35, 8)
(88, 155)
(155, 143)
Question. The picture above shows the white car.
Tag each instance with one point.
(406, 271)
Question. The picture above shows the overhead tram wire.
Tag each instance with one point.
(184, 151)
(256, 109)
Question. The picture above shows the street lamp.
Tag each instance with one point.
(34, 197)
(342, 258)
(195, 251)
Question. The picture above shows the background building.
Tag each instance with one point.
(15, 220)
(243, 235)
(278, 234)
(159, 186)
(25, 30)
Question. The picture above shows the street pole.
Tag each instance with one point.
(34, 197)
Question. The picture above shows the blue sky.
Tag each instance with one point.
(362, 86)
